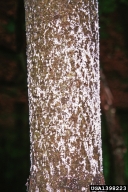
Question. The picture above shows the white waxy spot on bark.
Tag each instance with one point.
(64, 102)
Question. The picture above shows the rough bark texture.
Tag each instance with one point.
(64, 98)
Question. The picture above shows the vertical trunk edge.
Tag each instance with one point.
(64, 95)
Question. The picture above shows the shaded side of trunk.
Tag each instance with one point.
(64, 101)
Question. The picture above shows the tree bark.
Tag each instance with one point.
(64, 95)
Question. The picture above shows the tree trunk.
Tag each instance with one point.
(64, 98)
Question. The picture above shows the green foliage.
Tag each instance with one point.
(124, 1)
(123, 120)
(106, 150)
(106, 162)
(10, 27)
(107, 6)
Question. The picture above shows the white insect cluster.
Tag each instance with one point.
(63, 89)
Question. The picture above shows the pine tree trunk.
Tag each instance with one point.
(64, 99)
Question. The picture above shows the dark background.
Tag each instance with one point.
(14, 125)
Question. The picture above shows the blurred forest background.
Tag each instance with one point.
(14, 125)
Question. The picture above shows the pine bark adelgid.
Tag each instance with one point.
(64, 99)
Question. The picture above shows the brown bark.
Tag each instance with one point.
(64, 99)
